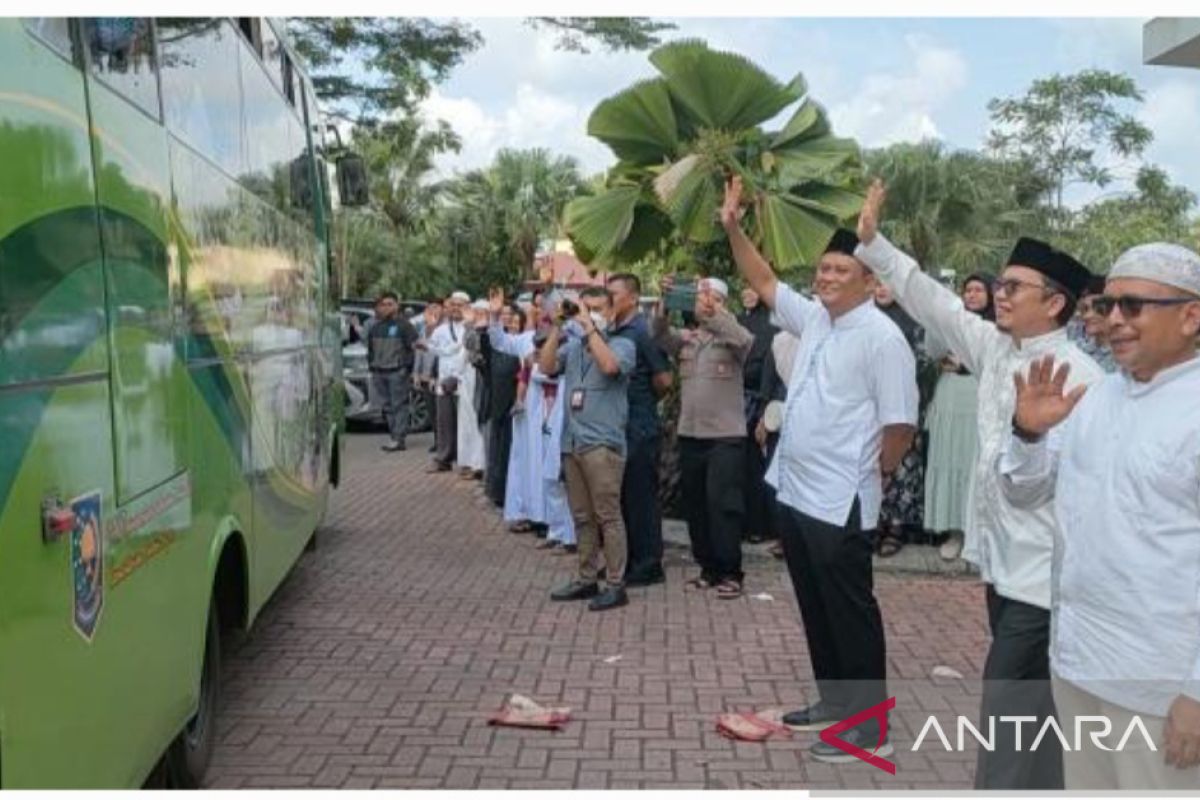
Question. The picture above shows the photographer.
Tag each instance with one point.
(595, 370)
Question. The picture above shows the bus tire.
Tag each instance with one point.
(189, 755)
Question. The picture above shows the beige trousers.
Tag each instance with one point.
(1137, 768)
(594, 493)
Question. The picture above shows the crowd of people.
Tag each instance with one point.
(1045, 420)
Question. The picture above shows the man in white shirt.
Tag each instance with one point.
(447, 344)
(1124, 474)
(850, 417)
(1035, 298)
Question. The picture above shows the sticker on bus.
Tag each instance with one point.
(87, 564)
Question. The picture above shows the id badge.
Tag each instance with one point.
(577, 400)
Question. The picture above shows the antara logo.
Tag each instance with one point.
(1098, 735)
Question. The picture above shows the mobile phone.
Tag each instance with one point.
(682, 296)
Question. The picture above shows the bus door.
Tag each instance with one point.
(156, 570)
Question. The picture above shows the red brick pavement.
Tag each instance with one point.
(379, 659)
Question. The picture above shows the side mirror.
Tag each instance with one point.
(352, 180)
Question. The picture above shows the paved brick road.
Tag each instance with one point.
(379, 659)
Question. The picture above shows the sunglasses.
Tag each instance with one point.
(1131, 305)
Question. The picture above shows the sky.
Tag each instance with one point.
(883, 80)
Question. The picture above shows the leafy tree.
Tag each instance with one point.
(956, 209)
(1155, 211)
(1064, 124)
(613, 33)
(678, 136)
(367, 68)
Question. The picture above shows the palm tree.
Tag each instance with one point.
(954, 209)
(678, 137)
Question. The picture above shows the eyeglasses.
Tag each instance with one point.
(1131, 305)
(1010, 285)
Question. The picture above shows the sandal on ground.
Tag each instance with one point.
(524, 526)
(547, 544)
(698, 582)
(889, 545)
(729, 589)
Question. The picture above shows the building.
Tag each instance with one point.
(561, 268)
(1172, 42)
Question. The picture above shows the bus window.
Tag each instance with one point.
(202, 99)
(273, 55)
(54, 31)
(121, 53)
(268, 150)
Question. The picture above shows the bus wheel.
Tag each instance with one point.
(190, 753)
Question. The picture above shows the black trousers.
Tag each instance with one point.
(760, 522)
(640, 508)
(710, 479)
(447, 429)
(831, 572)
(499, 448)
(1016, 682)
(431, 404)
(391, 387)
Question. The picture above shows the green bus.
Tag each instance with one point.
(170, 377)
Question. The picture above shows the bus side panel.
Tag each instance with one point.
(286, 449)
(54, 424)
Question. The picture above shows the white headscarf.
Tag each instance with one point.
(1160, 262)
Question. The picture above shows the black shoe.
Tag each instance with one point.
(438, 466)
(612, 597)
(433, 448)
(649, 579)
(859, 737)
(810, 718)
(393, 447)
(575, 590)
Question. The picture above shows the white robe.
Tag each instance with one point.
(471, 452)
(548, 427)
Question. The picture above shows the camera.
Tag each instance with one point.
(568, 309)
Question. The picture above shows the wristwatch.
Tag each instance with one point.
(1029, 437)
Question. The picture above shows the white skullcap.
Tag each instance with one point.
(480, 305)
(715, 285)
(1162, 263)
(461, 297)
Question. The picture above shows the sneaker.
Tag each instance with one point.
(857, 737)
(393, 447)
(575, 590)
(810, 718)
(612, 597)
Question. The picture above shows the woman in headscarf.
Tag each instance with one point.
(952, 430)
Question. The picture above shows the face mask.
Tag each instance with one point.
(600, 321)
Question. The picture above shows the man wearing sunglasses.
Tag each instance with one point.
(1035, 297)
(1126, 489)
(1089, 329)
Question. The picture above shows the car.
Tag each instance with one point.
(362, 404)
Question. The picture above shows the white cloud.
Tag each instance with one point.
(534, 119)
(900, 106)
(1172, 112)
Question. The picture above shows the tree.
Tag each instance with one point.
(1063, 125)
(678, 136)
(956, 209)
(364, 68)
(367, 68)
(613, 33)
(1156, 211)
(495, 217)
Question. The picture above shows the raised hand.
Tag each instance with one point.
(731, 208)
(495, 300)
(1041, 402)
(868, 218)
